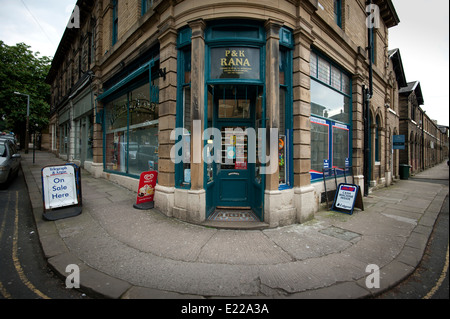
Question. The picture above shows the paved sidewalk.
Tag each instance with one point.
(124, 252)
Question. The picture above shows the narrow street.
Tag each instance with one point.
(24, 273)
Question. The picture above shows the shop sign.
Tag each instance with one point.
(399, 142)
(326, 168)
(146, 190)
(235, 63)
(347, 197)
(61, 191)
(59, 186)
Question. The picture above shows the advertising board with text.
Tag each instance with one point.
(146, 190)
(346, 197)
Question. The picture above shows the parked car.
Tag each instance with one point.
(9, 161)
(9, 137)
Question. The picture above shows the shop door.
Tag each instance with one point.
(237, 183)
(233, 173)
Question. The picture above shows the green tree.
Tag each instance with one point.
(23, 71)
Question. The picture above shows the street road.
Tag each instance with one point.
(23, 270)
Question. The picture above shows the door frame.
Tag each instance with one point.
(255, 188)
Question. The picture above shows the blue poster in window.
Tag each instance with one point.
(326, 168)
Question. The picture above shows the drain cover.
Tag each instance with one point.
(339, 233)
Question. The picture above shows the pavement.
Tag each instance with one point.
(123, 252)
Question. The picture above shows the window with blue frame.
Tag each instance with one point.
(285, 112)
(115, 23)
(183, 167)
(146, 5)
(331, 116)
(338, 12)
(131, 126)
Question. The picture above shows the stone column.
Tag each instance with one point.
(196, 197)
(164, 195)
(197, 101)
(358, 81)
(304, 199)
(272, 91)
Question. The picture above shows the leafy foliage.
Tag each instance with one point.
(23, 71)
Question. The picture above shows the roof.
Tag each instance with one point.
(388, 12)
(413, 87)
(68, 38)
(396, 59)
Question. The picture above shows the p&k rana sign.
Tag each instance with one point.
(235, 63)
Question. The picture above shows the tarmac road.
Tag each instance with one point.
(24, 272)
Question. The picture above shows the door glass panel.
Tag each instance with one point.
(233, 102)
(258, 125)
(234, 148)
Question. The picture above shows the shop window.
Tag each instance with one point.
(64, 131)
(331, 116)
(183, 168)
(143, 131)
(131, 135)
(90, 138)
(341, 139)
(116, 134)
(319, 146)
(285, 116)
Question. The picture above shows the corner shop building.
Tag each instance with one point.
(296, 66)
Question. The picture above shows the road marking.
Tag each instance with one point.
(441, 279)
(4, 217)
(15, 256)
(3, 291)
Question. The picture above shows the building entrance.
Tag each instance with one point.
(237, 114)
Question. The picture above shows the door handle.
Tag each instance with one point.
(233, 173)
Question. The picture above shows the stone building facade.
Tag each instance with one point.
(426, 143)
(135, 71)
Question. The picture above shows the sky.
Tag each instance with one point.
(422, 37)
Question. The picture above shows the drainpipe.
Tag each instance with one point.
(366, 114)
(423, 141)
(367, 95)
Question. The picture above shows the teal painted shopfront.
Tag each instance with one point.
(234, 113)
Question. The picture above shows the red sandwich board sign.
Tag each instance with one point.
(146, 190)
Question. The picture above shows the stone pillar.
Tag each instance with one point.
(358, 81)
(164, 195)
(278, 208)
(272, 90)
(193, 208)
(197, 101)
(304, 199)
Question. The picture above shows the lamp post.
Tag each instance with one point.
(28, 120)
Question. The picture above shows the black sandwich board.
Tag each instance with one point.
(348, 196)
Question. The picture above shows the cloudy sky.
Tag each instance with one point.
(422, 37)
